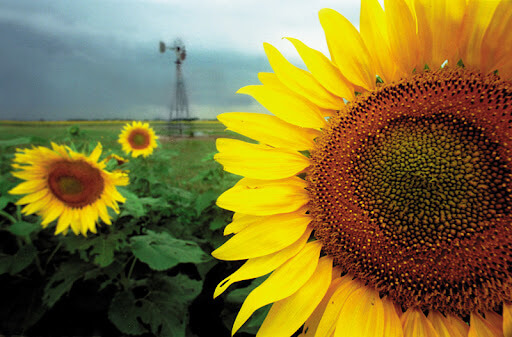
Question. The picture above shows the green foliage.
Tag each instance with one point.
(14, 264)
(148, 267)
(23, 228)
(62, 281)
(161, 251)
(163, 309)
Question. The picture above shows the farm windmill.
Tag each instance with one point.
(179, 104)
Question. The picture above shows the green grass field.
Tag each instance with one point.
(188, 142)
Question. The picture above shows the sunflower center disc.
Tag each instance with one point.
(424, 181)
(411, 191)
(70, 185)
(139, 140)
(76, 183)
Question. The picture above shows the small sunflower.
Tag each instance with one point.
(138, 138)
(379, 195)
(67, 185)
(119, 160)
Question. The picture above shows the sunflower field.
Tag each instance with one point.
(150, 272)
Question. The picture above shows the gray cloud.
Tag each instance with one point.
(100, 59)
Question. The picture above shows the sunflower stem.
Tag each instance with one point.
(131, 268)
(52, 255)
(8, 216)
(38, 265)
(18, 212)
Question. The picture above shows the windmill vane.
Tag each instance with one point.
(179, 102)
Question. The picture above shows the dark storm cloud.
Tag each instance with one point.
(51, 77)
(65, 59)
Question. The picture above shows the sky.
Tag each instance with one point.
(99, 59)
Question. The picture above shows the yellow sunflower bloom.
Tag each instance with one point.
(378, 197)
(138, 138)
(68, 186)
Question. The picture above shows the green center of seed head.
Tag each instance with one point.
(70, 185)
(426, 180)
(139, 139)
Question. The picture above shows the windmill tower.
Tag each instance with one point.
(179, 104)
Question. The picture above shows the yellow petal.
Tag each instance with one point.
(33, 197)
(45, 202)
(270, 235)
(324, 70)
(241, 221)
(287, 315)
(96, 153)
(263, 265)
(445, 327)
(403, 39)
(507, 319)
(89, 217)
(458, 326)
(415, 324)
(375, 36)
(327, 324)
(439, 26)
(64, 220)
(76, 222)
(265, 197)
(287, 106)
(258, 161)
(103, 212)
(30, 186)
(362, 315)
(497, 40)
(270, 80)
(495, 319)
(347, 49)
(300, 81)
(480, 327)
(283, 282)
(476, 20)
(392, 323)
(28, 174)
(52, 213)
(269, 130)
(312, 322)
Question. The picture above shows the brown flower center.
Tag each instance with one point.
(139, 139)
(411, 191)
(76, 183)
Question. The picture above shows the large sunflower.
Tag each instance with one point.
(138, 138)
(379, 194)
(67, 185)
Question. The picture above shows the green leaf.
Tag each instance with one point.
(62, 280)
(204, 200)
(218, 222)
(102, 247)
(104, 253)
(5, 199)
(23, 228)
(161, 251)
(13, 264)
(123, 312)
(164, 309)
(133, 205)
(105, 246)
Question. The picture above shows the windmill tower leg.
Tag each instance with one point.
(179, 105)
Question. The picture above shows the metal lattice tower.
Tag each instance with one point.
(179, 104)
